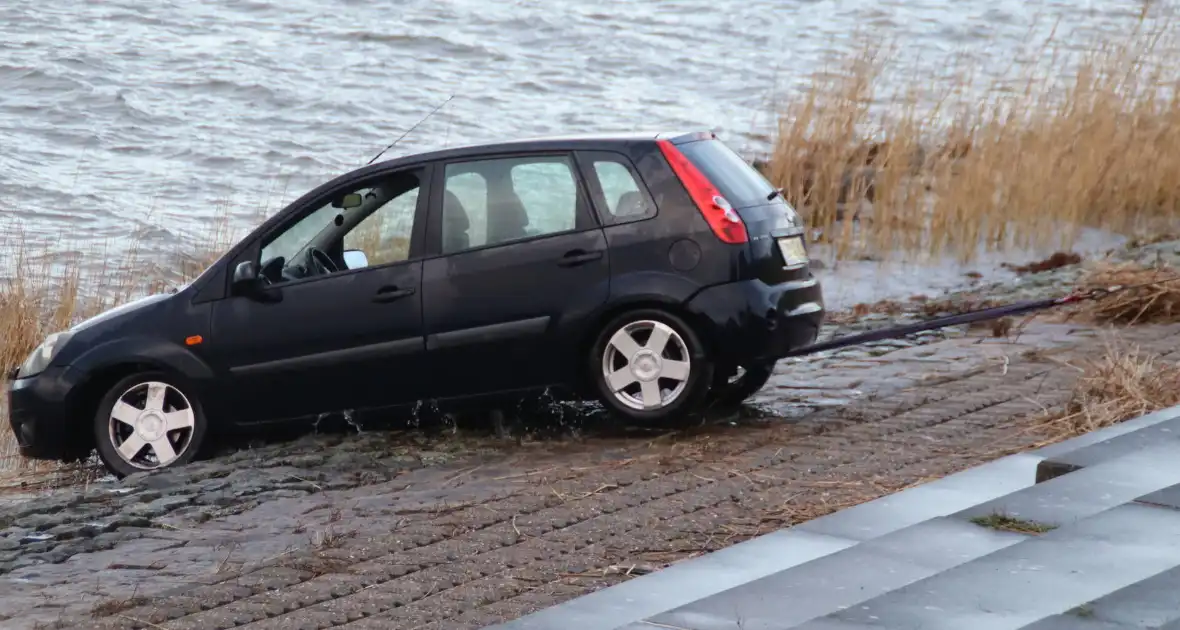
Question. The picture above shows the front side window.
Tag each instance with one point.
(364, 225)
(488, 202)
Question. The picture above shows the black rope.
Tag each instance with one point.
(969, 317)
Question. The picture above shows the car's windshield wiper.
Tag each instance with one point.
(777, 192)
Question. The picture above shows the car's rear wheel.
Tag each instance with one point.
(733, 387)
(147, 421)
(648, 365)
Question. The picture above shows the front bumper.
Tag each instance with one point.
(38, 413)
(752, 321)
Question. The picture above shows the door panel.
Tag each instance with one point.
(316, 336)
(523, 266)
(330, 344)
(508, 317)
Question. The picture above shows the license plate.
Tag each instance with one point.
(793, 251)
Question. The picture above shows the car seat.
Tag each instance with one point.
(454, 224)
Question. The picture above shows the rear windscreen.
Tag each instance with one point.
(738, 182)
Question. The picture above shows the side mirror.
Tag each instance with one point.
(246, 274)
(355, 259)
(247, 282)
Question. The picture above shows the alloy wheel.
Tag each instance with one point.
(646, 365)
(151, 425)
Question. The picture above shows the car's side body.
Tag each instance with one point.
(452, 317)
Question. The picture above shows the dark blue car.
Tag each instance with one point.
(655, 272)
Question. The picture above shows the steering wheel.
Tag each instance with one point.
(320, 261)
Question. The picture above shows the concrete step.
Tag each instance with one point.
(876, 549)
(1151, 603)
(1088, 491)
(687, 582)
(1100, 446)
(889, 562)
(1040, 578)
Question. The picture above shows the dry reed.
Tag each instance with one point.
(46, 292)
(1123, 384)
(1141, 302)
(1004, 167)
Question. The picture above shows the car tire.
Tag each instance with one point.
(658, 385)
(152, 416)
(731, 393)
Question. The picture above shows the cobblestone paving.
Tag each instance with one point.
(372, 532)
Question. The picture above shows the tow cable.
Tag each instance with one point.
(969, 317)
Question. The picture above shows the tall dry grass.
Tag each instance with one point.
(1124, 383)
(1024, 159)
(46, 291)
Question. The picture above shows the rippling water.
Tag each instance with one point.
(122, 117)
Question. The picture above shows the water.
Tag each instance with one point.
(147, 119)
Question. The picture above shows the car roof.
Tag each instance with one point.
(544, 143)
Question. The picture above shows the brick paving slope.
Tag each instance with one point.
(584, 525)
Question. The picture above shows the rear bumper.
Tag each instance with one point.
(39, 416)
(751, 321)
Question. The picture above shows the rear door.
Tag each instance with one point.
(522, 265)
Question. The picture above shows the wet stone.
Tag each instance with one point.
(163, 480)
(32, 546)
(42, 522)
(161, 506)
(7, 544)
(221, 499)
(66, 531)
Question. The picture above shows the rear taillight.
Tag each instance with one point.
(724, 220)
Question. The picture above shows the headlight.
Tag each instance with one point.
(40, 358)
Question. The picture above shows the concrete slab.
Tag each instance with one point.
(1026, 583)
(842, 579)
(1091, 490)
(1147, 604)
(682, 583)
(930, 500)
(1109, 443)
(1167, 497)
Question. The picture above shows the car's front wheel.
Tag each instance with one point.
(147, 421)
(648, 365)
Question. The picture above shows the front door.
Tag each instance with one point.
(339, 323)
(523, 265)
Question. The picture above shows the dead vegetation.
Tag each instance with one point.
(1121, 385)
(1055, 261)
(1023, 159)
(1156, 303)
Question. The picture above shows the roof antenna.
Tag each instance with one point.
(399, 138)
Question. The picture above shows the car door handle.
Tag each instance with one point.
(578, 257)
(391, 293)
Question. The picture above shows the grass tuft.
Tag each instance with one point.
(1008, 523)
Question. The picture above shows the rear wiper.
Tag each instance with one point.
(775, 193)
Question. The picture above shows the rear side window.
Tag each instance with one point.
(618, 193)
(738, 182)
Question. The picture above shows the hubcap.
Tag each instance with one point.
(151, 425)
(646, 364)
